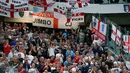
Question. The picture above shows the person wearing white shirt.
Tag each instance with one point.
(127, 63)
(11, 54)
(22, 54)
(51, 51)
(30, 34)
(95, 41)
(65, 70)
(60, 55)
(33, 69)
(110, 57)
(30, 58)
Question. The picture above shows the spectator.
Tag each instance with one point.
(69, 52)
(21, 69)
(7, 47)
(103, 68)
(81, 36)
(33, 69)
(60, 55)
(46, 51)
(68, 62)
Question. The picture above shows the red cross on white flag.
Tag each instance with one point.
(126, 44)
(79, 2)
(12, 10)
(44, 3)
(116, 35)
(73, 14)
(99, 28)
(7, 1)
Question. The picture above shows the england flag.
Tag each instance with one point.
(99, 28)
(126, 43)
(116, 35)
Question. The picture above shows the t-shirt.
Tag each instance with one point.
(22, 54)
(60, 56)
(30, 35)
(95, 41)
(21, 70)
(51, 52)
(32, 70)
(128, 64)
(65, 72)
(30, 58)
(77, 58)
(7, 49)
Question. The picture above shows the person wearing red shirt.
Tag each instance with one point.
(21, 69)
(7, 47)
(77, 57)
(21, 26)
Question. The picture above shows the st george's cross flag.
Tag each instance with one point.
(7, 1)
(40, 5)
(78, 3)
(10, 10)
(126, 43)
(43, 2)
(16, 2)
(116, 35)
(73, 17)
(99, 28)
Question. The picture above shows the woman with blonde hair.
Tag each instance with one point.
(7, 47)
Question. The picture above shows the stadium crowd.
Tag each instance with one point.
(31, 50)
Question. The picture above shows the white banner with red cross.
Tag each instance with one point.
(51, 20)
(74, 17)
(59, 5)
(11, 10)
(66, 22)
(126, 43)
(39, 5)
(16, 2)
(78, 3)
(45, 19)
(99, 28)
(116, 35)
